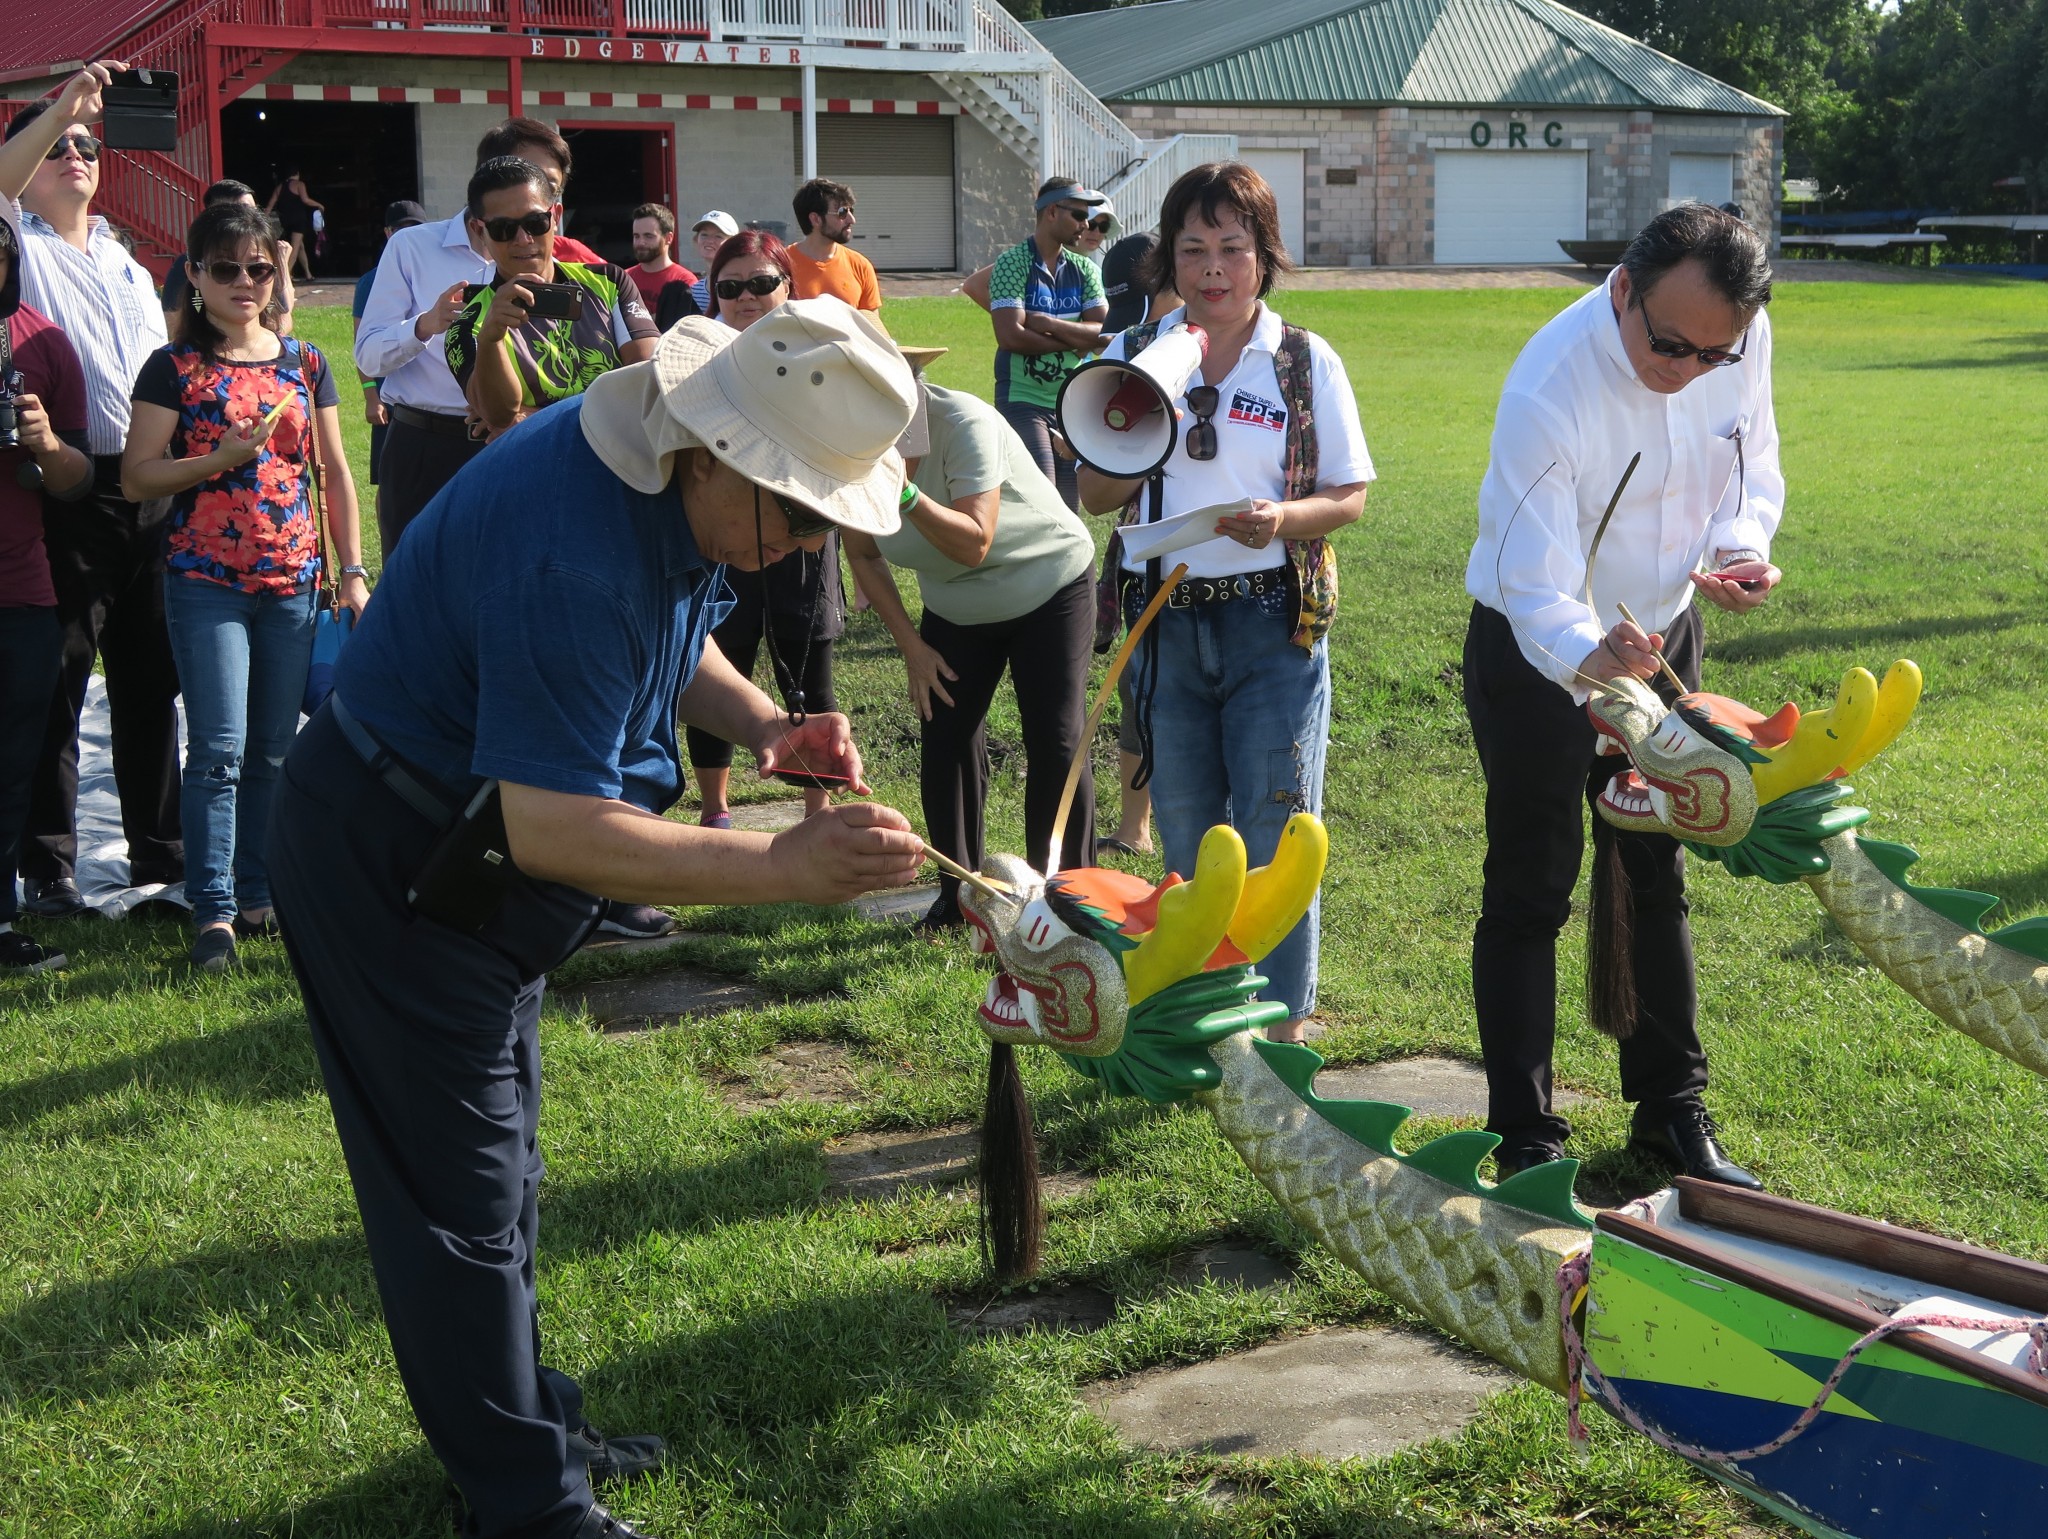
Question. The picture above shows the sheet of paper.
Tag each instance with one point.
(1144, 542)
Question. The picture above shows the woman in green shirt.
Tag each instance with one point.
(1005, 573)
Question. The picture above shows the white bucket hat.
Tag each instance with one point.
(808, 401)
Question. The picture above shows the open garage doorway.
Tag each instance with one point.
(618, 166)
(357, 159)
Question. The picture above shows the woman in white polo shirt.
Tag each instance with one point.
(1005, 572)
(1233, 684)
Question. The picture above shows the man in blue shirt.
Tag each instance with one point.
(539, 632)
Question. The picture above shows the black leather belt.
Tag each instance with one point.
(387, 767)
(429, 421)
(1191, 591)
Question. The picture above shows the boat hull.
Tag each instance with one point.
(1908, 1448)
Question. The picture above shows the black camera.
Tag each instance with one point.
(10, 419)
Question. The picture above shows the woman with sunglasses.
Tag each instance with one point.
(797, 604)
(1233, 682)
(1095, 237)
(232, 422)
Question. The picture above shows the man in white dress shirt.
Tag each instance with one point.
(106, 553)
(1670, 359)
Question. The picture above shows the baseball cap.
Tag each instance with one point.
(403, 214)
(719, 220)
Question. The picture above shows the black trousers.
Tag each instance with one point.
(799, 661)
(413, 468)
(426, 1040)
(1047, 653)
(31, 651)
(1537, 750)
(107, 564)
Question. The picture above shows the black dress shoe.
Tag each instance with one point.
(615, 1460)
(1685, 1136)
(56, 899)
(1509, 1163)
(600, 1523)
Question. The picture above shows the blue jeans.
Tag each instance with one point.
(242, 659)
(1240, 720)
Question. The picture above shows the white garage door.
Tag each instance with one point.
(1508, 205)
(901, 173)
(1703, 179)
(1283, 170)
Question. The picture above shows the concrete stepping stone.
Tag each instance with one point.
(1431, 1087)
(768, 817)
(875, 1166)
(659, 999)
(1240, 1266)
(823, 1072)
(1072, 1307)
(1335, 1395)
(900, 905)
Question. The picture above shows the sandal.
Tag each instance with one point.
(1120, 847)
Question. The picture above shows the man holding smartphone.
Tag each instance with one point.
(539, 331)
(527, 660)
(1634, 463)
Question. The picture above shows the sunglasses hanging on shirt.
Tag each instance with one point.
(761, 285)
(1201, 438)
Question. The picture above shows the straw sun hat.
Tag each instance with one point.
(808, 401)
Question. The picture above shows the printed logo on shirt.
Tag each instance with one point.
(1258, 411)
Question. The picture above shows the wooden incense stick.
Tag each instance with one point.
(987, 886)
(1669, 672)
(1102, 699)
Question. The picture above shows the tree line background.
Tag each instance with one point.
(1893, 103)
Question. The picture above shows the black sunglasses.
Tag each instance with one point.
(1663, 347)
(803, 523)
(535, 222)
(225, 273)
(1101, 225)
(1201, 438)
(760, 285)
(87, 146)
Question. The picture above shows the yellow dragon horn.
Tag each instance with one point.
(1896, 698)
(1192, 917)
(1279, 893)
(1821, 740)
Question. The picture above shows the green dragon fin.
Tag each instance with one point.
(1545, 1190)
(1958, 905)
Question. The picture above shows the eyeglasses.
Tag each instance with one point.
(1201, 438)
(1711, 357)
(535, 222)
(226, 273)
(86, 146)
(803, 523)
(760, 285)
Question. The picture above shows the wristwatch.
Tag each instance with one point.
(353, 569)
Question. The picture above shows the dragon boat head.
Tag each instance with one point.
(1757, 793)
(1127, 979)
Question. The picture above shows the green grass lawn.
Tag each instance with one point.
(189, 1335)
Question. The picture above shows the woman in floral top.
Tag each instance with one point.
(243, 551)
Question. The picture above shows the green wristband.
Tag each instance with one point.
(909, 497)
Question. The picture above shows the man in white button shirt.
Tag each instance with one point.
(1670, 359)
(106, 553)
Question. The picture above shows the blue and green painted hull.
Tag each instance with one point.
(1922, 1439)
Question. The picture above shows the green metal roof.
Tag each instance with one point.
(1508, 53)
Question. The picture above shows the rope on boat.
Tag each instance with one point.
(1581, 1373)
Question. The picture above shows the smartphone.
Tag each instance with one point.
(555, 301)
(813, 780)
(141, 110)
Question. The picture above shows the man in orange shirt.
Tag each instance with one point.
(823, 262)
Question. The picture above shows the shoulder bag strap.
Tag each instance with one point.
(329, 580)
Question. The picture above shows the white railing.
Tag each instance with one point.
(1078, 136)
(1139, 193)
(938, 25)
